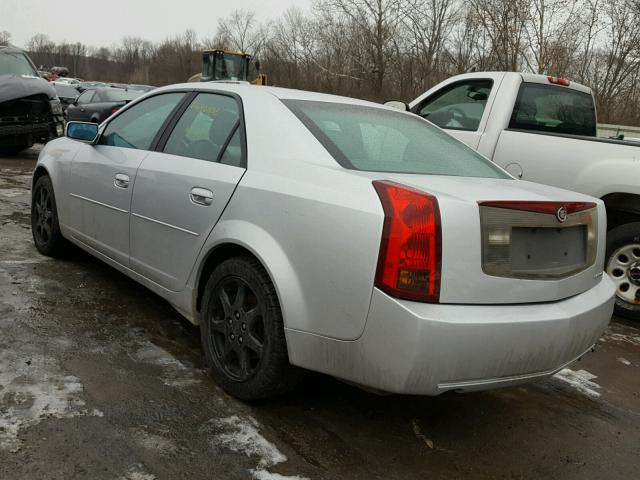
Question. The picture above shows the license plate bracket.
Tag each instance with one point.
(548, 250)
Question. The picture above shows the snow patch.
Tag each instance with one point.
(243, 436)
(176, 374)
(581, 380)
(34, 389)
(624, 361)
(136, 473)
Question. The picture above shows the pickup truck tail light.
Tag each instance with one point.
(115, 109)
(409, 263)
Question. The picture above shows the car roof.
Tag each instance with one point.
(241, 88)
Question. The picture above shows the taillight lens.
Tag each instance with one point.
(115, 109)
(410, 252)
(558, 81)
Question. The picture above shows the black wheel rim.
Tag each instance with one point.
(43, 215)
(236, 329)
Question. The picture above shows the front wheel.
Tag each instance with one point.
(623, 266)
(242, 332)
(44, 219)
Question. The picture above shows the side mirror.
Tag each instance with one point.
(398, 105)
(82, 131)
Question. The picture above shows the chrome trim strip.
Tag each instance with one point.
(166, 224)
(98, 203)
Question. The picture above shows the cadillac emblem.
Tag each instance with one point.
(561, 214)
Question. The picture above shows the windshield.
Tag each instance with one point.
(16, 63)
(379, 140)
(227, 67)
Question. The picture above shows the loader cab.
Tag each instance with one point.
(225, 65)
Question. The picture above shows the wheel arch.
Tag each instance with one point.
(621, 208)
(227, 241)
(40, 171)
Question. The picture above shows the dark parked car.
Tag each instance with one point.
(66, 93)
(30, 111)
(97, 105)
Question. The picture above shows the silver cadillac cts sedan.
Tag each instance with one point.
(308, 231)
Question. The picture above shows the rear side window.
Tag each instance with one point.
(137, 126)
(554, 109)
(459, 106)
(380, 140)
(206, 129)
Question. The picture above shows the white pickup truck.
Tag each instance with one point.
(543, 129)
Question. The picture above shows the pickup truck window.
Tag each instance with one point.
(378, 140)
(459, 106)
(554, 109)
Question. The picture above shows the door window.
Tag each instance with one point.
(137, 126)
(459, 106)
(86, 97)
(206, 129)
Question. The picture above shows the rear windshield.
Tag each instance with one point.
(118, 95)
(379, 140)
(554, 109)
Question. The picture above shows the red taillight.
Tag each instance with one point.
(559, 81)
(541, 207)
(115, 109)
(410, 251)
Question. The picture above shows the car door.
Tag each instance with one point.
(460, 107)
(182, 189)
(77, 111)
(103, 175)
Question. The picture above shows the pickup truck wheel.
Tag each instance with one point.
(44, 220)
(623, 266)
(242, 332)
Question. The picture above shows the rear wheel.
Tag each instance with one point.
(243, 334)
(623, 266)
(44, 219)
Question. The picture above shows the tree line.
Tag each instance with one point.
(395, 49)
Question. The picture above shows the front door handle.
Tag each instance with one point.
(121, 180)
(201, 196)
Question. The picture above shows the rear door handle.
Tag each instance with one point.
(201, 196)
(121, 180)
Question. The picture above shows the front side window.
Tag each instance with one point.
(205, 128)
(459, 106)
(137, 126)
(554, 109)
(379, 140)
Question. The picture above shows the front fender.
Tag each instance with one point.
(55, 158)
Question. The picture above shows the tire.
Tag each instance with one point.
(44, 219)
(242, 332)
(623, 266)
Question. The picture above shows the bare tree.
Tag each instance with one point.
(5, 37)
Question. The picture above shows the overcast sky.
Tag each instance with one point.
(105, 22)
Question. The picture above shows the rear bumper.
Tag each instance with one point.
(417, 348)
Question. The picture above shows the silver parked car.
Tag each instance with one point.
(308, 231)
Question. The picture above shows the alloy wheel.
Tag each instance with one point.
(43, 213)
(236, 329)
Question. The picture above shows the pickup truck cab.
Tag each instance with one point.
(544, 129)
